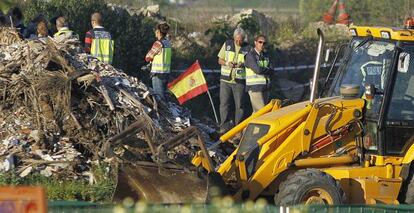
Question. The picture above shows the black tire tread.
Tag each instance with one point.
(407, 188)
(301, 178)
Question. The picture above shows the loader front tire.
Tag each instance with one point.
(309, 186)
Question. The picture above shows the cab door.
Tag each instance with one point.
(399, 117)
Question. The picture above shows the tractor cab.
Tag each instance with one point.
(380, 62)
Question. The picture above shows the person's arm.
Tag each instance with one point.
(155, 49)
(251, 63)
(221, 61)
(270, 68)
(88, 42)
(222, 57)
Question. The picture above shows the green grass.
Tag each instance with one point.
(66, 189)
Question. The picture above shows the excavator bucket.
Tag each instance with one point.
(162, 180)
(154, 184)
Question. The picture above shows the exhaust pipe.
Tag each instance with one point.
(314, 89)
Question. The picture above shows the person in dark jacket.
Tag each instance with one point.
(17, 19)
(258, 74)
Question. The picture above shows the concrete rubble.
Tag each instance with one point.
(61, 111)
(151, 11)
(264, 22)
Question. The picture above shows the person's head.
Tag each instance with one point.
(3, 20)
(409, 23)
(259, 42)
(42, 29)
(239, 36)
(61, 22)
(96, 19)
(161, 30)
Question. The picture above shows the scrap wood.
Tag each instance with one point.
(50, 89)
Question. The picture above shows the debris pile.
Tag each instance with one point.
(264, 22)
(60, 110)
(151, 11)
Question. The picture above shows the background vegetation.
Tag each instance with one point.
(133, 34)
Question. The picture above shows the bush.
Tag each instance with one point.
(219, 32)
(250, 26)
(133, 34)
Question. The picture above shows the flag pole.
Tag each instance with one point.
(212, 105)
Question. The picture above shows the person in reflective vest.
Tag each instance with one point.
(98, 41)
(160, 58)
(258, 74)
(232, 79)
(372, 73)
(62, 27)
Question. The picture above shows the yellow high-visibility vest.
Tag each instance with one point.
(102, 46)
(230, 54)
(62, 31)
(161, 63)
(254, 79)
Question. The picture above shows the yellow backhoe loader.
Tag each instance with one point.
(350, 143)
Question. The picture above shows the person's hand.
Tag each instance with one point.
(240, 65)
(268, 71)
(231, 64)
(146, 68)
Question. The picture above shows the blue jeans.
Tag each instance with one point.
(159, 85)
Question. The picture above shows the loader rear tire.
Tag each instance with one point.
(309, 186)
(407, 189)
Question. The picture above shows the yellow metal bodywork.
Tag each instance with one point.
(293, 130)
(286, 139)
(395, 33)
(274, 104)
(370, 185)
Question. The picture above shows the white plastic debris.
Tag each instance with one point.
(26, 172)
(47, 172)
(8, 163)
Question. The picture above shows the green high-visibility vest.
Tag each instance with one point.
(102, 46)
(230, 54)
(254, 79)
(161, 63)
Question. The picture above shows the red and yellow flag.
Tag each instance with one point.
(189, 84)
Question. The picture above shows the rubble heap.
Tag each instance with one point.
(59, 109)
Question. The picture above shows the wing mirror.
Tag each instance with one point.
(403, 62)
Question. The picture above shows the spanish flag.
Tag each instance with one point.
(189, 84)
